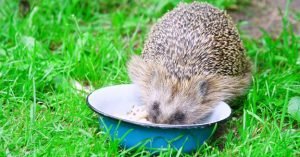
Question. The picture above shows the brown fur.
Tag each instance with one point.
(192, 59)
(156, 84)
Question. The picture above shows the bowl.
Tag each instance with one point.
(109, 102)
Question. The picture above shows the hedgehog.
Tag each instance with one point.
(192, 59)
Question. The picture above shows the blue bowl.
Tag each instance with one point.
(111, 101)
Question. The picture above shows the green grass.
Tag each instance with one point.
(42, 114)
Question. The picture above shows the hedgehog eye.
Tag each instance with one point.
(155, 106)
(154, 112)
(203, 88)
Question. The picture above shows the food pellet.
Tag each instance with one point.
(137, 113)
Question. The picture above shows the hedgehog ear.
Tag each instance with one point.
(156, 76)
(159, 78)
(203, 87)
(139, 71)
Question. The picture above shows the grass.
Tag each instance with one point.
(42, 114)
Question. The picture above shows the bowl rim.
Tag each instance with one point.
(153, 125)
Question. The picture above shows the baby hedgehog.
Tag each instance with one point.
(193, 58)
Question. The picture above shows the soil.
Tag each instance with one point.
(266, 15)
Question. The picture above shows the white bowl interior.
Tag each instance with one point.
(118, 100)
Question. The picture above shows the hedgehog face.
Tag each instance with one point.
(176, 102)
(170, 100)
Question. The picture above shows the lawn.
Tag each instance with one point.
(43, 52)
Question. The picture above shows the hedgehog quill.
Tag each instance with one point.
(192, 59)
